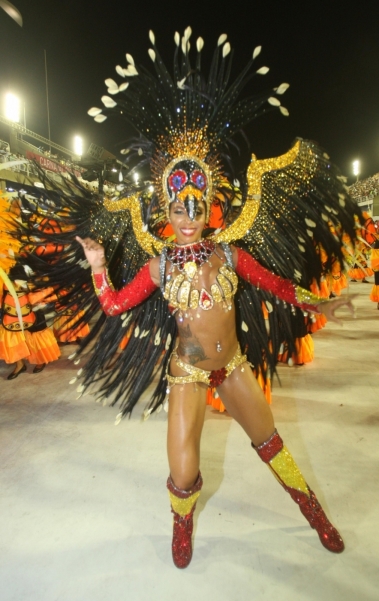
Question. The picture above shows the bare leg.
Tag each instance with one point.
(246, 403)
(186, 412)
(19, 367)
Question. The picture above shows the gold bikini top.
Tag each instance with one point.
(181, 294)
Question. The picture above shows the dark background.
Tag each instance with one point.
(328, 52)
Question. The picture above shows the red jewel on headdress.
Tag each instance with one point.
(198, 178)
(177, 180)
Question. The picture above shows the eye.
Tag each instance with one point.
(198, 178)
(177, 180)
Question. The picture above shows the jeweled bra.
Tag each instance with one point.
(189, 259)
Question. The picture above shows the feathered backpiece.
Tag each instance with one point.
(293, 213)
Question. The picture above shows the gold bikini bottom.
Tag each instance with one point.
(212, 378)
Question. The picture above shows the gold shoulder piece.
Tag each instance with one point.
(147, 241)
(255, 172)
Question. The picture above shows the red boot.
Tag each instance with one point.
(183, 504)
(281, 463)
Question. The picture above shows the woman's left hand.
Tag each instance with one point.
(331, 306)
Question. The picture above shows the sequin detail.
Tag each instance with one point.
(311, 509)
(284, 468)
(147, 241)
(256, 170)
(195, 374)
(181, 296)
(114, 302)
(250, 270)
(270, 448)
(183, 504)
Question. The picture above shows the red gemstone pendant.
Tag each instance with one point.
(205, 300)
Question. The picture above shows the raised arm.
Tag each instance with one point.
(114, 301)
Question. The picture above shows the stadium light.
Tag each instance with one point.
(12, 108)
(78, 145)
(356, 168)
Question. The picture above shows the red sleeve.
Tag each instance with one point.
(250, 270)
(115, 302)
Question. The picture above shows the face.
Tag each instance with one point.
(187, 231)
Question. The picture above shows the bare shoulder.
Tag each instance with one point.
(154, 270)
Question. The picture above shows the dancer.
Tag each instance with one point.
(192, 308)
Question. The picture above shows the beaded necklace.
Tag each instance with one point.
(198, 253)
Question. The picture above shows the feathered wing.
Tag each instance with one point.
(55, 258)
(296, 221)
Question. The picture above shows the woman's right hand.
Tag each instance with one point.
(94, 253)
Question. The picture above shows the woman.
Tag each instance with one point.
(208, 353)
(193, 310)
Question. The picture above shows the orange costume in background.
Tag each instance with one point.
(35, 342)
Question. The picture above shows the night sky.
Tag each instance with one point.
(329, 53)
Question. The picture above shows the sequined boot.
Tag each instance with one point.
(280, 461)
(183, 504)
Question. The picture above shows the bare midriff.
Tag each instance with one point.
(206, 338)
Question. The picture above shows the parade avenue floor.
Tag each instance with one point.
(85, 513)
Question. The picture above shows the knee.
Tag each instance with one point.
(184, 481)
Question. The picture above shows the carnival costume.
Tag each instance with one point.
(278, 215)
(23, 330)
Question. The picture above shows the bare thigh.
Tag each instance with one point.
(187, 403)
(246, 403)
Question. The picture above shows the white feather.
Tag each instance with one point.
(71, 357)
(152, 36)
(199, 44)
(177, 38)
(110, 83)
(100, 118)
(168, 342)
(282, 88)
(180, 83)
(152, 54)
(130, 71)
(325, 217)
(302, 249)
(309, 222)
(130, 59)
(269, 306)
(273, 101)
(136, 332)
(187, 33)
(113, 91)
(108, 102)
(310, 233)
(257, 51)
(263, 71)
(284, 111)
(226, 49)
(123, 86)
(244, 327)
(118, 419)
(72, 381)
(120, 70)
(221, 39)
(94, 111)
(157, 339)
